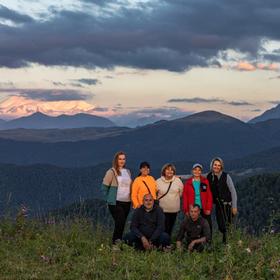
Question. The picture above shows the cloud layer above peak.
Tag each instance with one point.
(172, 35)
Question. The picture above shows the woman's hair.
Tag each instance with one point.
(115, 161)
(142, 165)
(166, 166)
(217, 159)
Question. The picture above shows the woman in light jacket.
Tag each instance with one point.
(170, 189)
(117, 190)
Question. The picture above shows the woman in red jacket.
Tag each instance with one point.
(197, 191)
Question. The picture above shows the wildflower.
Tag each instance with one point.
(240, 243)
(101, 247)
(45, 259)
(248, 250)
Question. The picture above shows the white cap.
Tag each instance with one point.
(197, 165)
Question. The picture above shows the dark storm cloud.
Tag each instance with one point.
(239, 103)
(165, 111)
(72, 84)
(195, 100)
(88, 82)
(53, 95)
(199, 100)
(173, 35)
(59, 84)
(101, 3)
(8, 14)
(47, 94)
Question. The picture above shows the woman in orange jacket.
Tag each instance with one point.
(143, 184)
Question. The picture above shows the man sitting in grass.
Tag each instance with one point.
(195, 230)
(147, 227)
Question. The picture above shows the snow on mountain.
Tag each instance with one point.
(18, 106)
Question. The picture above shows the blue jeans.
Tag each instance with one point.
(132, 240)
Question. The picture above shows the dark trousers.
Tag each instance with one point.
(208, 219)
(132, 240)
(170, 219)
(224, 218)
(119, 213)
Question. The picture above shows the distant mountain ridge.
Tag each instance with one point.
(194, 138)
(273, 113)
(39, 120)
(61, 135)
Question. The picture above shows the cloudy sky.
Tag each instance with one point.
(165, 58)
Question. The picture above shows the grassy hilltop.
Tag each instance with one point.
(77, 250)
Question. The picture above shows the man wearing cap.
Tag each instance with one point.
(195, 230)
(197, 191)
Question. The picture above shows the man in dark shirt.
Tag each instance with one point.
(195, 230)
(147, 226)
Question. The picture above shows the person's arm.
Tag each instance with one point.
(160, 225)
(233, 192)
(196, 241)
(181, 186)
(107, 181)
(209, 203)
(134, 226)
(206, 235)
(134, 194)
(185, 199)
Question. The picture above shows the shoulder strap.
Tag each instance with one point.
(114, 175)
(146, 186)
(166, 191)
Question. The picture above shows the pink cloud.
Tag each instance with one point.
(271, 67)
(247, 66)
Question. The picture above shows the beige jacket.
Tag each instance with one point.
(171, 202)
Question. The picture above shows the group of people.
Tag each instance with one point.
(157, 203)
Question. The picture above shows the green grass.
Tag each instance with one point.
(76, 250)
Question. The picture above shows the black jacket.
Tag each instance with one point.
(193, 230)
(149, 224)
(219, 188)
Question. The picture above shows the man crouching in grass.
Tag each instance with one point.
(195, 230)
(147, 227)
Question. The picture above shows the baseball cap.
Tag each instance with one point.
(197, 165)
